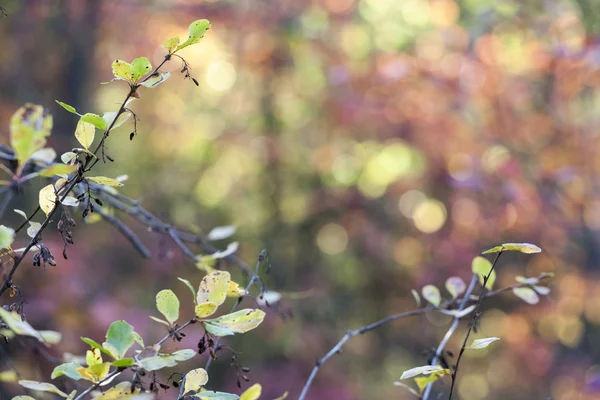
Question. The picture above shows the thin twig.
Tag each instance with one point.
(472, 323)
(97, 385)
(176, 331)
(125, 231)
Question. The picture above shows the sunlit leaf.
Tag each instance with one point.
(120, 338)
(482, 343)
(424, 370)
(194, 380)
(432, 294)
(481, 266)
(528, 295)
(526, 248)
(93, 357)
(210, 395)
(124, 391)
(68, 157)
(140, 67)
(206, 309)
(231, 249)
(252, 393)
(213, 288)
(235, 290)
(189, 285)
(84, 133)
(457, 313)
(156, 79)
(7, 236)
(160, 321)
(221, 232)
(121, 70)
(196, 33)
(47, 199)
(9, 376)
(168, 305)
(67, 107)
(171, 44)
(109, 117)
(237, 322)
(102, 180)
(29, 127)
(423, 381)
(42, 387)
(455, 286)
(68, 369)
(57, 169)
(70, 201)
(95, 120)
(14, 322)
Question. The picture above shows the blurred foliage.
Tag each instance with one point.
(372, 146)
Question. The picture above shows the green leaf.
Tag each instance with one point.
(194, 380)
(156, 79)
(526, 248)
(68, 369)
(211, 395)
(67, 107)
(102, 180)
(42, 387)
(189, 285)
(29, 127)
(424, 370)
(140, 67)
(22, 398)
(528, 295)
(455, 286)
(196, 33)
(14, 322)
(95, 345)
(95, 120)
(168, 305)
(85, 133)
(482, 343)
(432, 295)
(58, 169)
(123, 362)
(51, 337)
(7, 236)
(237, 322)
(121, 70)
(252, 393)
(68, 157)
(213, 288)
(160, 321)
(171, 44)
(481, 266)
(119, 338)
(160, 361)
(183, 355)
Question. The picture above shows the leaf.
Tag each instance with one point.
(102, 180)
(140, 67)
(42, 387)
(51, 337)
(432, 295)
(481, 266)
(282, 397)
(528, 281)
(121, 70)
(124, 391)
(95, 345)
(455, 286)
(29, 127)
(194, 380)
(120, 338)
(109, 117)
(168, 305)
(84, 133)
(459, 314)
(9, 376)
(14, 322)
(95, 120)
(482, 343)
(21, 213)
(424, 370)
(213, 288)
(205, 309)
(526, 248)
(196, 33)
(183, 355)
(156, 79)
(212, 395)
(160, 321)
(416, 297)
(237, 322)
(528, 295)
(221, 232)
(542, 290)
(171, 44)
(189, 285)
(154, 363)
(69, 369)
(235, 290)
(68, 157)
(423, 381)
(123, 362)
(45, 155)
(231, 249)
(7, 236)
(57, 169)
(269, 297)
(47, 199)
(67, 107)
(252, 393)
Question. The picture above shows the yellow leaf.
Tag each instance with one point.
(171, 44)
(58, 169)
(234, 290)
(85, 133)
(8, 376)
(93, 357)
(29, 127)
(47, 199)
(121, 70)
(252, 393)
(194, 380)
(105, 181)
(213, 288)
(238, 322)
(205, 309)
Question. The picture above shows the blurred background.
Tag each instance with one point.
(371, 146)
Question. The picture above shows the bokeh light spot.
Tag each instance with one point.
(332, 239)
(429, 216)
(220, 76)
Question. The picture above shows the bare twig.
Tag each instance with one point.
(97, 385)
(125, 231)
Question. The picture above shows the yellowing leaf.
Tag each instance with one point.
(102, 180)
(124, 391)
(252, 393)
(51, 337)
(140, 67)
(58, 169)
(481, 266)
(47, 199)
(432, 295)
(205, 309)
(168, 305)
(526, 248)
(194, 380)
(423, 381)
(8, 376)
(29, 127)
(42, 387)
(196, 33)
(7, 236)
(424, 370)
(121, 70)
(237, 322)
(171, 44)
(213, 288)
(85, 133)
(93, 357)
(235, 290)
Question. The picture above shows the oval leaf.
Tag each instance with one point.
(481, 266)
(121, 70)
(95, 120)
(196, 33)
(424, 370)
(432, 295)
(58, 169)
(213, 288)
(455, 286)
(482, 343)
(194, 380)
(67, 107)
(7, 236)
(526, 248)
(528, 295)
(171, 44)
(140, 67)
(205, 309)
(102, 180)
(85, 133)
(168, 305)
(237, 322)
(252, 393)
(47, 199)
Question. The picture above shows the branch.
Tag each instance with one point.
(97, 385)
(125, 231)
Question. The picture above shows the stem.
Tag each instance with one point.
(97, 385)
